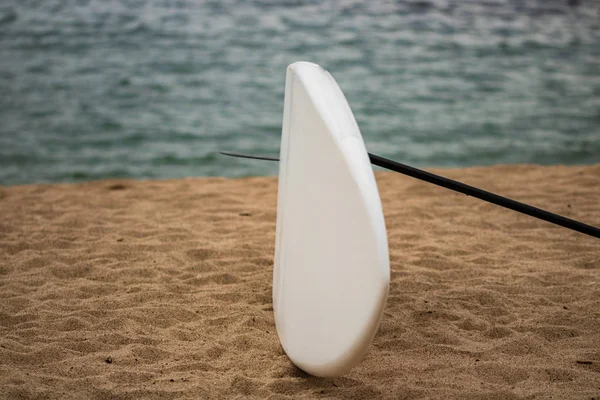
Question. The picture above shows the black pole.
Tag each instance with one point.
(468, 190)
(485, 196)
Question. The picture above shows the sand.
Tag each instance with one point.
(162, 289)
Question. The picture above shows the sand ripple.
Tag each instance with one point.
(162, 289)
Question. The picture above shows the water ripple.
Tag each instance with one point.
(94, 89)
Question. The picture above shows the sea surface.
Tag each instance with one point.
(93, 89)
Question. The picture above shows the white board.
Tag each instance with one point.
(331, 273)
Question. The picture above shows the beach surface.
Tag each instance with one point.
(162, 289)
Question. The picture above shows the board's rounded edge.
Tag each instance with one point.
(360, 346)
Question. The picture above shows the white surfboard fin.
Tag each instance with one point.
(331, 272)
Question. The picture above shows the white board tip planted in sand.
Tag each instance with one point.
(331, 274)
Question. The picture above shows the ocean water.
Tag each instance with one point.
(93, 89)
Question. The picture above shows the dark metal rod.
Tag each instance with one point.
(468, 190)
(240, 155)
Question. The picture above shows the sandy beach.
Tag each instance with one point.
(162, 289)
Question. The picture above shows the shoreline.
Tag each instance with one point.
(435, 169)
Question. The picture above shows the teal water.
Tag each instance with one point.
(94, 89)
